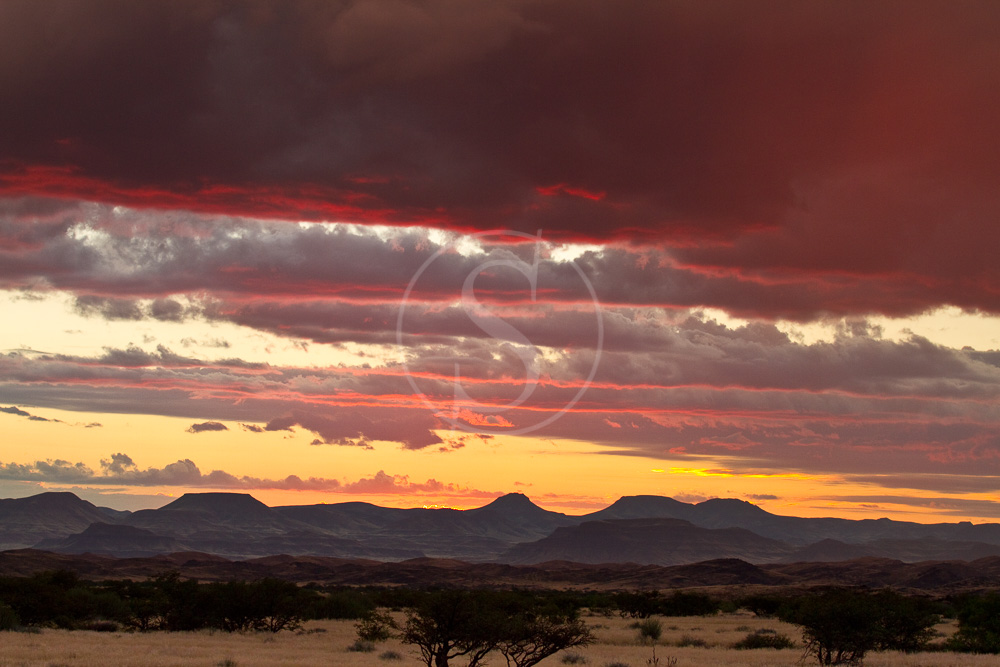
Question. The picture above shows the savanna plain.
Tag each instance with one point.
(700, 641)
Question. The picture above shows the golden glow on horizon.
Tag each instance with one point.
(562, 475)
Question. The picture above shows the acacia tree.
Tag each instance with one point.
(841, 626)
(451, 624)
(471, 624)
(530, 639)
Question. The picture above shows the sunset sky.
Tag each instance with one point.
(430, 252)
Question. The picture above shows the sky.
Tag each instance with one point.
(429, 252)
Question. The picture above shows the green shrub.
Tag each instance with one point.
(978, 625)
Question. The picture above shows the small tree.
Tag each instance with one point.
(375, 626)
(530, 639)
(978, 625)
(452, 624)
(839, 626)
(904, 623)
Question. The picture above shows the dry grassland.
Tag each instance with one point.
(325, 643)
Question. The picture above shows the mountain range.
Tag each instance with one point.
(644, 530)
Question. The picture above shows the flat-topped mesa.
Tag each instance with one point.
(644, 507)
(218, 503)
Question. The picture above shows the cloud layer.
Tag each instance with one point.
(765, 142)
(323, 172)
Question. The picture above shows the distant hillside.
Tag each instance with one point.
(638, 529)
(26, 521)
(111, 540)
(646, 542)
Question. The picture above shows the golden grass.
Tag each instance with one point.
(325, 643)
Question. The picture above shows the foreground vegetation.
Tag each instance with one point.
(56, 618)
(706, 643)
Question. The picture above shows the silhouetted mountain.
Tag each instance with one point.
(647, 529)
(113, 514)
(237, 524)
(478, 534)
(643, 507)
(25, 521)
(113, 540)
(909, 551)
(646, 541)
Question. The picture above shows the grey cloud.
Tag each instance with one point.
(207, 426)
(121, 470)
(14, 410)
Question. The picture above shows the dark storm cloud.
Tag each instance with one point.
(129, 265)
(832, 139)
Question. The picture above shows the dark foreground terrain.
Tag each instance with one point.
(938, 577)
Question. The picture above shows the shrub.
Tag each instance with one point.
(101, 626)
(573, 659)
(978, 625)
(361, 646)
(616, 664)
(390, 655)
(841, 626)
(8, 618)
(375, 626)
(688, 640)
(471, 624)
(765, 638)
(650, 630)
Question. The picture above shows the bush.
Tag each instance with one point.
(688, 640)
(390, 655)
(688, 604)
(376, 626)
(841, 626)
(574, 659)
(650, 630)
(8, 618)
(101, 626)
(764, 638)
(523, 627)
(361, 646)
(978, 625)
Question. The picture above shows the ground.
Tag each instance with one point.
(326, 643)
